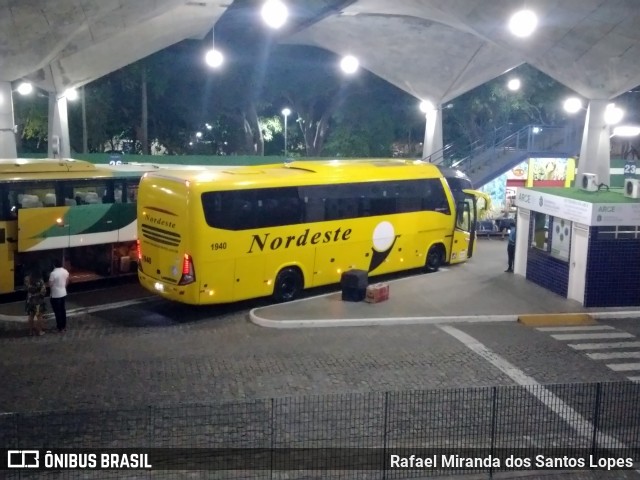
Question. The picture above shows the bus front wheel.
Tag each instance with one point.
(288, 285)
(434, 259)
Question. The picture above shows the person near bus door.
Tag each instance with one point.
(58, 281)
(35, 305)
(511, 247)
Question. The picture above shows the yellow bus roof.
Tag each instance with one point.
(23, 169)
(306, 172)
(44, 165)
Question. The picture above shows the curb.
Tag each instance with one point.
(392, 321)
(367, 322)
(556, 319)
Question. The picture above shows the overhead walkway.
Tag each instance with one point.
(485, 160)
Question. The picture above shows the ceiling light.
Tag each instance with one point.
(613, 114)
(214, 58)
(514, 84)
(274, 13)
(572, 105)
(426, 106)
(523, 23)
(349, 64)
(25, 88)
(71, 94)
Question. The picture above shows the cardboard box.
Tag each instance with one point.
(378, 292)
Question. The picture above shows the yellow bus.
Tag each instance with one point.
(229, 235)
(78, 212)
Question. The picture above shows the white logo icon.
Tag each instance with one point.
(23, 459)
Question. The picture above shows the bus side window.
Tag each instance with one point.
(434, 198)
(132, 193)
(243, 210)
(108, 193)
(278, 206)
(49, 200)
(334, 208)
(408, 197)
(382, 200)
(314, 209)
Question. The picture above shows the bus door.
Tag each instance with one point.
(465, 231)
(9, 279)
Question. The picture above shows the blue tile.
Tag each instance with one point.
(613, 272)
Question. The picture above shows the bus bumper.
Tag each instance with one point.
(167, 290)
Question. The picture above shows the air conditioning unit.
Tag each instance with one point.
(632, 187)
(588, 182)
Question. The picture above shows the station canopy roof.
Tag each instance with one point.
(433, 49)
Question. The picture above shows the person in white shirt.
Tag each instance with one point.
(58, 281)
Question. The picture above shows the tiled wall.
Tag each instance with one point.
(546, 271)
(613, 272)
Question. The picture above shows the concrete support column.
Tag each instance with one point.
(522, 242)
(7, 134)
(596, 146)
(432, 145)
(58, 126)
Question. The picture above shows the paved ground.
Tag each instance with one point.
(105, 360)
(154, 353)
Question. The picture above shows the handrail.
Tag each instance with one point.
(438, 154)
(531, 138)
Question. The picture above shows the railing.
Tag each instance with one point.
(455, 152)
(347, 435)
(532, 139)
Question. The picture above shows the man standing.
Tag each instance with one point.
(511, 247)
(58, 281)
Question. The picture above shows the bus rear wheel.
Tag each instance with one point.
(434, 259)
(288, 285)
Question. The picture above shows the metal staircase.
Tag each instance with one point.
(484, 161)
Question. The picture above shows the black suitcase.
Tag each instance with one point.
(354, 285)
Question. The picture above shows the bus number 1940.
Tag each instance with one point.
(219, 246)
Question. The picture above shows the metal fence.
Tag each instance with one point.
(344, 435)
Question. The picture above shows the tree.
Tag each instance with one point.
(486, 111)
(31, 117)
(373, 119)
(307, 81)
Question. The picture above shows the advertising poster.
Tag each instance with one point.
(549, 171)
(519, 172)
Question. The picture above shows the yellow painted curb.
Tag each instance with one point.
(556, 320)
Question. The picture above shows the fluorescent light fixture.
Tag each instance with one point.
(627, 130)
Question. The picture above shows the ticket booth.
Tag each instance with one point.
(580, 244)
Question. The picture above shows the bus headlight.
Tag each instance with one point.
(159, 287)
